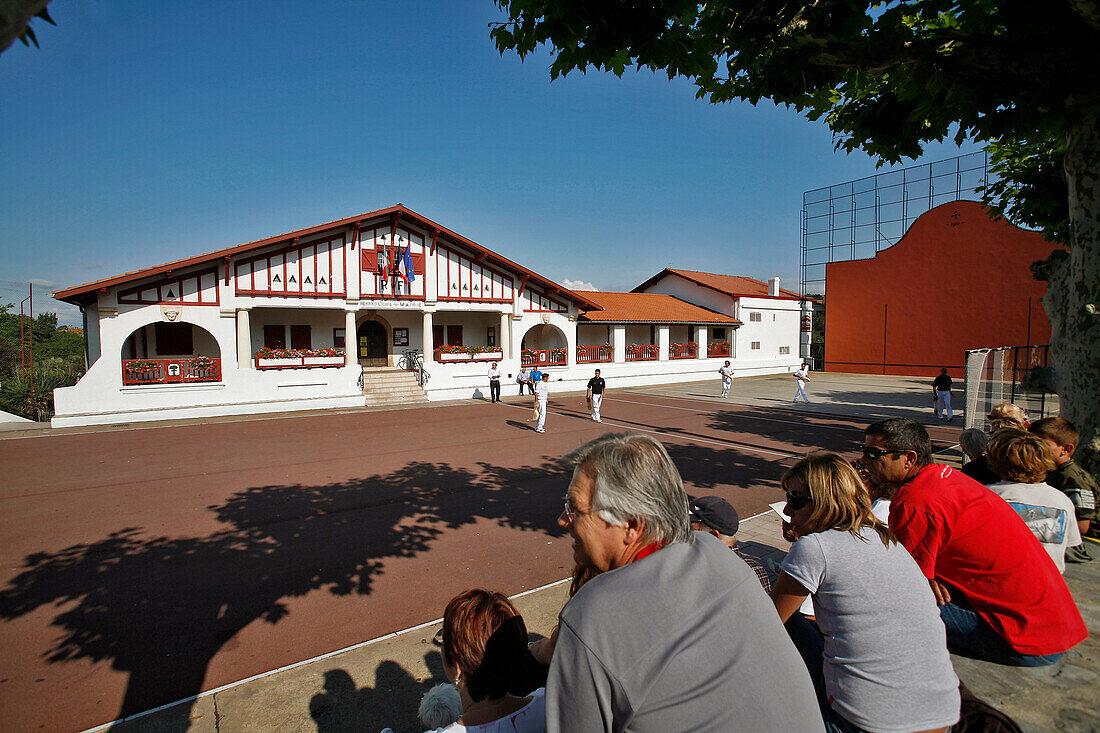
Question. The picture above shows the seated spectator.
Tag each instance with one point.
(715, 516)
(883, 662)
(673, 633)
(1023, 459)
(1068, 477)
(1000, 596)
(484, 640)
(1007, 415)
(973, 443)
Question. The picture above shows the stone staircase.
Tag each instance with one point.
(388, 386)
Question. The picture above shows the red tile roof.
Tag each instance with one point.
(648, 308)
(735, 285)
(87, 292)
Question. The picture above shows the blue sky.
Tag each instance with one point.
(140, 133)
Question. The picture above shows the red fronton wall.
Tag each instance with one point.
(957, 280)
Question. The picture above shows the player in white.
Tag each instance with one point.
(542, 396)
(727, 379)
(801, 375)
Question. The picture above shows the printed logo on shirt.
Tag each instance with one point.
(1045, 522)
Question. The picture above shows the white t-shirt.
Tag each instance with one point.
(531, 718)
(1047, 512)
(800, 374)
(727, 373)
(542, 391)
(885, 661)
(494, 373)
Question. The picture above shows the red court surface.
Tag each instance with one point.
(142, 566)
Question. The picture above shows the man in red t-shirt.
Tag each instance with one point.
(1001, 596)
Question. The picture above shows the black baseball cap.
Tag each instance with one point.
(715, 512)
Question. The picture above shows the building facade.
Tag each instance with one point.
(301, 320)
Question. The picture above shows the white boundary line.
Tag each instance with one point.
(295, 665)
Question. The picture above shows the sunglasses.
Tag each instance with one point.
(797, 501)
(872, 453)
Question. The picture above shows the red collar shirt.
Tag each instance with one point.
(964, 535)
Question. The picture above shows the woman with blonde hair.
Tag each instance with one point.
(484, 640)
(880, 658)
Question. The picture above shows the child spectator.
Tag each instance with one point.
(1068, 477)
(883, 662)
(1023, 459)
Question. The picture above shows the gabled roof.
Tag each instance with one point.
(649, 308)
(86, 293)
(733, 285)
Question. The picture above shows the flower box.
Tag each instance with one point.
(443, 356)
(324, 360)
(269, 363)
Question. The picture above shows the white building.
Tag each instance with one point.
(323, 317)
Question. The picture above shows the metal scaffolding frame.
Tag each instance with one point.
(858, 219)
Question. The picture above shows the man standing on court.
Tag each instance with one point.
(941, 390)
(494, 383)
(1001, 598)
(596, 386)
(673, 633)
(542, 396)
(802, 376)
(727, 379)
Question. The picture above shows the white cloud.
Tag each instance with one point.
(578, 285)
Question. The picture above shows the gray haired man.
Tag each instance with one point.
(674, 633)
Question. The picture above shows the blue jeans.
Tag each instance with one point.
(970, 633)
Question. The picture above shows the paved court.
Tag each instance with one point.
(145, 564)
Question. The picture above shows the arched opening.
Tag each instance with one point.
(169, 352)
(544, 345)
(372, 343)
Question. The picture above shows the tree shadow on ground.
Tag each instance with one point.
(160, 608)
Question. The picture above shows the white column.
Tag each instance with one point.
(806, 329)
(244, 340)
(427, 339)
(504, 336)
(618, 340)
(663, 341)
(701, 339)
(351, 339)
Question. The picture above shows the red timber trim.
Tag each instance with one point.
(227, 263)
(294, 247)
(82, 294)
(435, 239)
(133, 296)
(506, 280)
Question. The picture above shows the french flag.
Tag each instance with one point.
(405, 267)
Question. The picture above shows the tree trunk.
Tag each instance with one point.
(1073, 286)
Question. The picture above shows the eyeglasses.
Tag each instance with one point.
(571, 514)
(797, 501)
(873, 453)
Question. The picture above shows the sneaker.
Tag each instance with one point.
(539, 430)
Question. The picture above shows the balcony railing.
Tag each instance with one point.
(718, 348)
(683, 351)
(171, 371)
(543, 357)
(642, 352)
(589, 354)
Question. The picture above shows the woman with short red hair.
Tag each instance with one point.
(484, 641)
